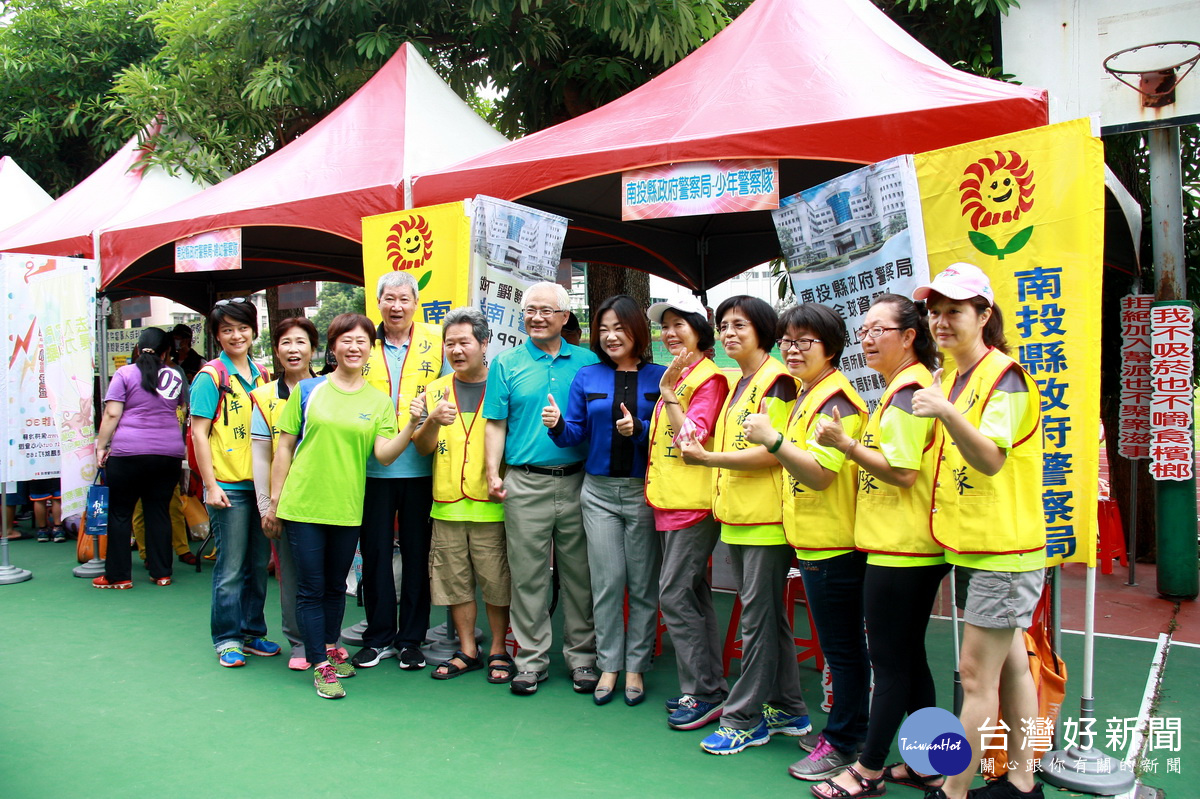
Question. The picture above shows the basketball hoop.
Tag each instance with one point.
(1156, 66)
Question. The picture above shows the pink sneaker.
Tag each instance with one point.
(299, 664)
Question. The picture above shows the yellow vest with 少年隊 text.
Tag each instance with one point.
(422, 364)
(977, 514)
(820, 520)
(672, 484)
(459, 468)
(746, 497)
(889, 519)
(229, 434)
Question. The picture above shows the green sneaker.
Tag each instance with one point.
(326, 681)
(341, 666)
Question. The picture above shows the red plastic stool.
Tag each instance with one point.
(793, 592)
(1111, 540)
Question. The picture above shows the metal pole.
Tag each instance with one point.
(1081, 766)
(9, 574)
(1175, 500)
(1131, 533)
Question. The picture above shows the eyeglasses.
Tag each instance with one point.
(544, 313)
(798, 344)
(219, 303)
(864, 333)
(725, 327)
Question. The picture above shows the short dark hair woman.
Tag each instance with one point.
(140, 443)
(609, 408)
(748, 502)
(340, 420)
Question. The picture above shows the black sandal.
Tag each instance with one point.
(866, 787)
(452, 670)
(912, 779)
(502, 662)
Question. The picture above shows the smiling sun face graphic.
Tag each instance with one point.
(996, 190)
(409, 243)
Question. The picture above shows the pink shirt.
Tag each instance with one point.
(703, 410)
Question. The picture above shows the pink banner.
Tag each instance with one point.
(214, 251)
(700, 187)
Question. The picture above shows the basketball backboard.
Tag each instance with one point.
(1061, 46)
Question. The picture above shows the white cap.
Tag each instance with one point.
(960, 281)
(689, 304)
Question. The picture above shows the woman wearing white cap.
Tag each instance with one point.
(693, 391)
(987, 511)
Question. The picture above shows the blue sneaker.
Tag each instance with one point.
(672, 704)
(692, 713)
(728, 741)
(261, 647)
(780, 723)
(230, 655)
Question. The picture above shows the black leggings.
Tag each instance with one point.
(152, 479)
(897, 601)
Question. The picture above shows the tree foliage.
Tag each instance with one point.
(58, 61)
(335, 299)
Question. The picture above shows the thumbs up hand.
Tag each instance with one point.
(551, 414)
(416, 408)
(758, 429)
(445, 413)
(830, 432)
(930, 402)
(625, 424)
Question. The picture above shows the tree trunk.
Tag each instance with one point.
(275, 315)
(605, 280)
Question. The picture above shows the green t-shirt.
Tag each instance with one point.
(1003, 419)
(329, 470)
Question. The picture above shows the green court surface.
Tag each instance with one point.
(118, 693)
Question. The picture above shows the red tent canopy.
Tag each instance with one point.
(300, 209)
(822, 86)
(122, 187)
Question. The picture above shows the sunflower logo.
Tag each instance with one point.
(409, 243)
(996, 191)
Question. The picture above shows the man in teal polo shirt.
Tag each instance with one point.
(540, 492)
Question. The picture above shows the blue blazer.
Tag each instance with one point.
(592, 413)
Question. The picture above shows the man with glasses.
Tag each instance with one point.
(541, 491)
(406, 358)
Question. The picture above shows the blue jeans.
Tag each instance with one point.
(323, 554)
(240, 575)
(835, 596)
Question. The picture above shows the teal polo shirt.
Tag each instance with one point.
(517, 388)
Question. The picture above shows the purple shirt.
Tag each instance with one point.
(149, 424)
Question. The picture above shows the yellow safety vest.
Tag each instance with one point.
(889, 519)
(975, 514)
(230, 442)
(672, 484)
(266, 399)
(422, 364)
(459, 466)
(820, 520)
(746, 497)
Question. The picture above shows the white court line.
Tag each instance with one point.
(1108, 635)
(1139, 735)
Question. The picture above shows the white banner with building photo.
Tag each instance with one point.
(851, 239)
(512, 247)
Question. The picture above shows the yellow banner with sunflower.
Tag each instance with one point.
(433, 244)
(1028, 209)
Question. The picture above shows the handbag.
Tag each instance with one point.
(95, 522)
(197, 517)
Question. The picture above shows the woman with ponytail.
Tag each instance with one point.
(905, 566)
(141, 445)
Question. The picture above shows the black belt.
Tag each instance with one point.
(554, 471)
